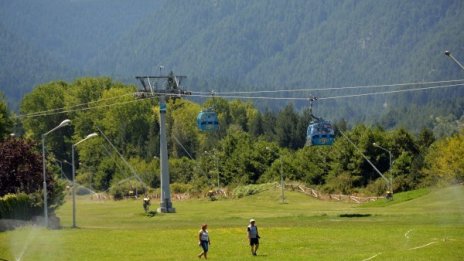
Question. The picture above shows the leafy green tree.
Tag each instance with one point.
(125, 122)
(286, 128)
(238, 111)
(6, 123)
(43, 110)
(347, 160)
(445, 126)
(147, 171)
(403, 141)
(444, 161)
(96, 163)
(401, 171)
(244, 160)
(343, 182)
(269, 124)
(313, 163)
(185, 135)
(182, 170)
(84, 99)
(257, 125)
(425, 138)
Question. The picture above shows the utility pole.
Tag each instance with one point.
(172, 91)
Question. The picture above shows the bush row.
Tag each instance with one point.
(19, 206)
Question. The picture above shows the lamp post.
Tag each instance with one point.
(389, 169)
(281, 173)
(448, 53)
(74, 177)
(62, 124)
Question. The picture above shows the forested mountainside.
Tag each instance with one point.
(22, 65)
(255, 45)
(50, 40)
(299, 43)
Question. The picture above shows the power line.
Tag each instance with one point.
(335, 88)
(330, 97)
(391, 92)
(61, 111)
(48, 113)
(77, 105)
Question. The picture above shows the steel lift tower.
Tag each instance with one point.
(172, 90)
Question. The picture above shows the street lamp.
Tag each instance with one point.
(281, 173)
(448, 53)
(74, 177)
(389, 169)
(62, 124)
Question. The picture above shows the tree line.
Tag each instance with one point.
(250, 147)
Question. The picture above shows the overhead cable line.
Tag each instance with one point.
(331, 97)
(391, 92)
(77, 105)
(47, 113)
(334, 88)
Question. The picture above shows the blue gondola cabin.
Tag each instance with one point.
(207, 121)
(320, 133)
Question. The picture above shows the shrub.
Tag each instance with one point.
(130, 188)
(248, 190)
(378, 187)
(181, 188)
(18, 206)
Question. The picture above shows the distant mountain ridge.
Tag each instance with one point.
(296, 43)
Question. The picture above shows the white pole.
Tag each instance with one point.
(44, 167)
(74, 177)
(165, 204)
(73, 189)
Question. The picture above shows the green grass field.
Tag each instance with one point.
(418, 225)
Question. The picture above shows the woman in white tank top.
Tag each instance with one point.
(203, 241)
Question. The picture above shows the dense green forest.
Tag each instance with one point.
(248, 46)
(250, 146)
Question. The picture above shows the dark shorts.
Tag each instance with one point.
(204, 245)
(254, 241)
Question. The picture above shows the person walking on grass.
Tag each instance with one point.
(203, 241)
(253, 236)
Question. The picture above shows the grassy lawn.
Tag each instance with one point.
(419, 225)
